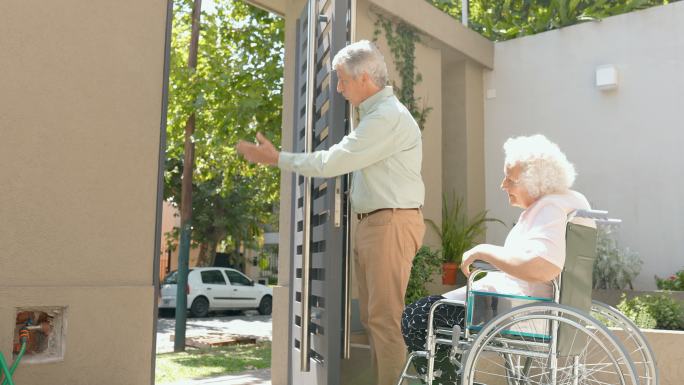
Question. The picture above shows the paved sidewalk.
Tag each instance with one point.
(250, 324)
(255, 377)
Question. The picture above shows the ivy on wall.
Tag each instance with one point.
(402, 40)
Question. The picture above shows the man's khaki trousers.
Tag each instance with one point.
(385, 245)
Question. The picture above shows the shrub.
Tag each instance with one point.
(614, 267)
(675, 282)
(653, 311)
(425, 263)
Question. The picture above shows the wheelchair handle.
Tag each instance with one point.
(599, 216)
(590, 214)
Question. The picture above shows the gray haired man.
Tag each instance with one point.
(384, 153)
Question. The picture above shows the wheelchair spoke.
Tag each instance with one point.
(631, 337)
(584, 354)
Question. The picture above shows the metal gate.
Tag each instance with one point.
(319, 290)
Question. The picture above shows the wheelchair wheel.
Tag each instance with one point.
(633, 340)
(518, 348)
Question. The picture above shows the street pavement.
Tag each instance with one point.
(248, 324)
(255, 377)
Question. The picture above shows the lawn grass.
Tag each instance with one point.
(212, 362)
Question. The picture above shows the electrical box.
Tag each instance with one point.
(47, 330)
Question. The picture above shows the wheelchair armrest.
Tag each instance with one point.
(483, 266)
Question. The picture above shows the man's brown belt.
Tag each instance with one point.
(365, 215)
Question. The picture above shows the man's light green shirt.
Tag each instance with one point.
(384, 153)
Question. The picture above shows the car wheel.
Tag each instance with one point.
(266, 305)
(200, 307)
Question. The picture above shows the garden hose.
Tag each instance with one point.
(9, 371)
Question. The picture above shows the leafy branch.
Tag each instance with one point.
(402, 41)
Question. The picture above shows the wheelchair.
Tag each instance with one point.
(565, 340)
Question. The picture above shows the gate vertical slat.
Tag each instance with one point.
(328, 236)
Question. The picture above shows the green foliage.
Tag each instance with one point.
(614, 268)
(264, 263)
(212, 362)
(235, 91)
(674, 282)
(402, 43)
(425, 264)
(506, 19)
(458, 233)
(653, 311)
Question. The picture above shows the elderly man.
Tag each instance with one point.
(384, 153)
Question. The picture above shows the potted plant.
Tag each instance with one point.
(458, 234)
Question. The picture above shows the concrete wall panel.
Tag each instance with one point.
(625, 143)
(80, 112)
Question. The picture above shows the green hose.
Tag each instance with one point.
(5, 370)
(8, 372)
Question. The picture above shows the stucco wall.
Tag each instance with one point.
(625, 143)
(81, 97)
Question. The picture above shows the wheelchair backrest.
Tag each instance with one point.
(576, 279)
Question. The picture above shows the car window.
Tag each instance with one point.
(237, 279)
(213, 277)
(172, 278)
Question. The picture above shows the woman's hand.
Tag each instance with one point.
(477, 253)
(526, 267)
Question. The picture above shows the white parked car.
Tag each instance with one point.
(217, 288)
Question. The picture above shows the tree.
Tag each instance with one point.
(508, 19)
(235, 91)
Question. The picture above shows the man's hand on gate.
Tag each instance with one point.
(262, 152)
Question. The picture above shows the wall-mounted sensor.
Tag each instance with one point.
(606, 77)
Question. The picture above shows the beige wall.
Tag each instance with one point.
(80, 90)
(625, 143)
(667, 348)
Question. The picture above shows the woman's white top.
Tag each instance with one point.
(539, 232)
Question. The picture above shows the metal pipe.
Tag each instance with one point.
(304, 347)
(553, 350)
(575, 370)
(464, 12)
(405, 375)
(469, 283)
(523, 353)
(347, 260)
(431, 338)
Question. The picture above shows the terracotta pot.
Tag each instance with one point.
(449, 271)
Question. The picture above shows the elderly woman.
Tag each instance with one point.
(537, 178)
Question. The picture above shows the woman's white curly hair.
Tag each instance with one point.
(544, 167)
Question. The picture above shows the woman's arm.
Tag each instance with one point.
(525, 267)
